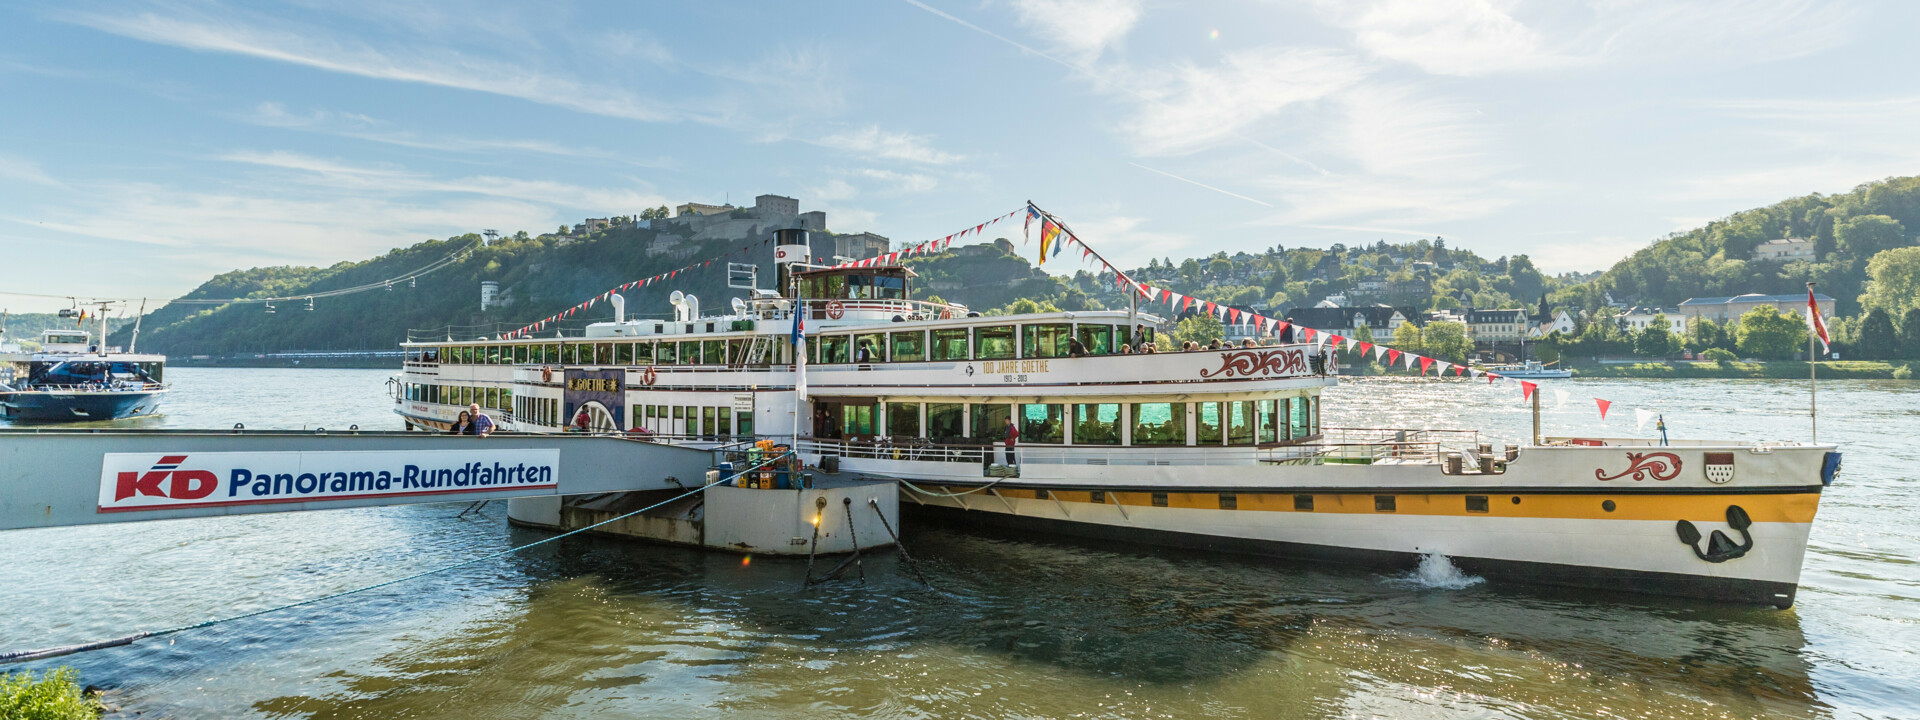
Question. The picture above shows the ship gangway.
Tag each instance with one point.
(64, 477)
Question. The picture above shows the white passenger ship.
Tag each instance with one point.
(1216, 449)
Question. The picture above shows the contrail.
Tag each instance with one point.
(1198, 183)
(1103, 82)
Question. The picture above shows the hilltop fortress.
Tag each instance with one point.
(698, 221)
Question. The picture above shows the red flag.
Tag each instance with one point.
(1309, 333)
(1817, 325)
(1335, 339)
(1236, 316)
(1366, 347)
(1527, 389)
(1491, 377)
(1281, 326)
(1393, 356)
(1604, 404)
(1460, 371)
(1425, 362)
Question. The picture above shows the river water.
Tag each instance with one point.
(1011, 628)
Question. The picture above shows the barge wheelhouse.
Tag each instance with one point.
(1219, 449)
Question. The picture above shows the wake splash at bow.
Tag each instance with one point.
(1436, 572)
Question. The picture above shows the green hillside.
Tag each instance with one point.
(26, 328)
(541, 276)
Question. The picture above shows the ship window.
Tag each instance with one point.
(1159, 423)
(713, 352)
(623, 354)
(1478, 503)
(945, 421)
(664, 354)
(909, 346)
(1159, 499)
(856, 421)
(1042, 423)
(903, 420)
(603, 354)
(1303, 502)
(643, 353)
(871, 347)
(1240, 422)
(553, 353)
(1229, 501)
(950, 344)
(724, 417)
(1045, 341)
(993, 342)
(835, 349)
(520, 354)
(1383, 503)
(1269, 421)
(1096, 424)
(1301, 425)
(746, 423)
(1097, 338)
(708, 428)
(1097, 497)
(689, 352)
(990, 422)
(506, 398)
(1207, 424)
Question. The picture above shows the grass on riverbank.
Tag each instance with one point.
(1783, 369)
(55, 695)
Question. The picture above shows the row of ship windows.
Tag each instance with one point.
(491, 398)
(993, 342)
(1239, 422)
(707, 422)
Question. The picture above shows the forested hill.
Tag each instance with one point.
(538, 277)
(1716, 259)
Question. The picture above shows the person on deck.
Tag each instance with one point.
(482, 425)
(1013, 433)
(1075, 348)
(581, 420)
(462, 425)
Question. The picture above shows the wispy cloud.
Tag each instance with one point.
(871, 141)
(900, 183)
(1444, 37)
(1198, 107)
(363, 127)
(13, 168)
(1083, 28)
(231, 32)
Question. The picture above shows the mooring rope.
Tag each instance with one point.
(930, 493)
(25, 655)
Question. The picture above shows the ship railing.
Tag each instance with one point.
(1463, 438)
(96, 387)
(817, 308)
(922, 450)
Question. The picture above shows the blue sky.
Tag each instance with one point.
(146, 146)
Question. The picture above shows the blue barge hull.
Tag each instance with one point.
(59, 406)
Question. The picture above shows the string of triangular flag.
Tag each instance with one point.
(930, 246)
(1055, 236)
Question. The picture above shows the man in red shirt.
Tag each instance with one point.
(1013, 433)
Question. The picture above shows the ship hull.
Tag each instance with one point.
(56, 407)
(1551, 544)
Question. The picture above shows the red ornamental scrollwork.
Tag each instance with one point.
(1258, 362)
(1659, 466)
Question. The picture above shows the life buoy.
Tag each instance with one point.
(649, 376)
(546, 373)
(946, 313)
(835, 309)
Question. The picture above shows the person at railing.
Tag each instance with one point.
(866, 353)
(1247, 343)
(1126, 349)
(1013, 434)
(462, 425)
(1216, 344)
(1075, 348)
(482, 425)
(581, 420)
(1148, 348)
